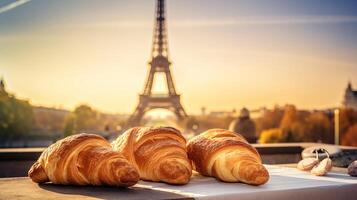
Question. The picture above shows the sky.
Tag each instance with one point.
(225, 54)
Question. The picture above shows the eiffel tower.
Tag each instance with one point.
(159, 64)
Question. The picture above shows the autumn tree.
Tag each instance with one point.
(348, 117)
(269, 120)
(350, 138)
(292, 124)
(274, 135)
(319, 128)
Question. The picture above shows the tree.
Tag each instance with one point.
(292, 124)
(274, 135)
(16, 118)
(70, 125)
(83, 119)
(289, 118)
(319, 128)
(269, 120)
(350, 138)
(348, 117)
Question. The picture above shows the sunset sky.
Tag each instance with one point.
(226, 53)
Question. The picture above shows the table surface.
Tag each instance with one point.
(285, 182)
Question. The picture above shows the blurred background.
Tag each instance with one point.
(274, 71)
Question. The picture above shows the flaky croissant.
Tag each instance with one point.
(159, 154)
(83, 159)
(226, 156)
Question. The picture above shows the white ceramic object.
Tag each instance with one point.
(307, 164)
(322, 168)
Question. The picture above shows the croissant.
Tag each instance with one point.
(159, 154)
(83, 159)
(226, 156)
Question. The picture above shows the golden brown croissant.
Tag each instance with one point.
(159, 154)
(83, 159)
(226, 156)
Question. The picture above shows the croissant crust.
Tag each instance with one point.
(226, 156)
(83, 159)
(159, 154)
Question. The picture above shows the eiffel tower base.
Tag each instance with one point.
(147, 103)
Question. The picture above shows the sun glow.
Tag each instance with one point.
(99, 56)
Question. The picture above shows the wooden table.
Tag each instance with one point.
(284, 183)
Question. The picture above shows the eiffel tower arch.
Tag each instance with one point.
(159, 64)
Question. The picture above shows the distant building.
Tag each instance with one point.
(350, 98)
(49, 122)
(245, 126)
(54, 111)
(223, 113)
(203, 111)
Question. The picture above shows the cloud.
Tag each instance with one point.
(13, 5)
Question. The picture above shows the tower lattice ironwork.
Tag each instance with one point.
(159, 64)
